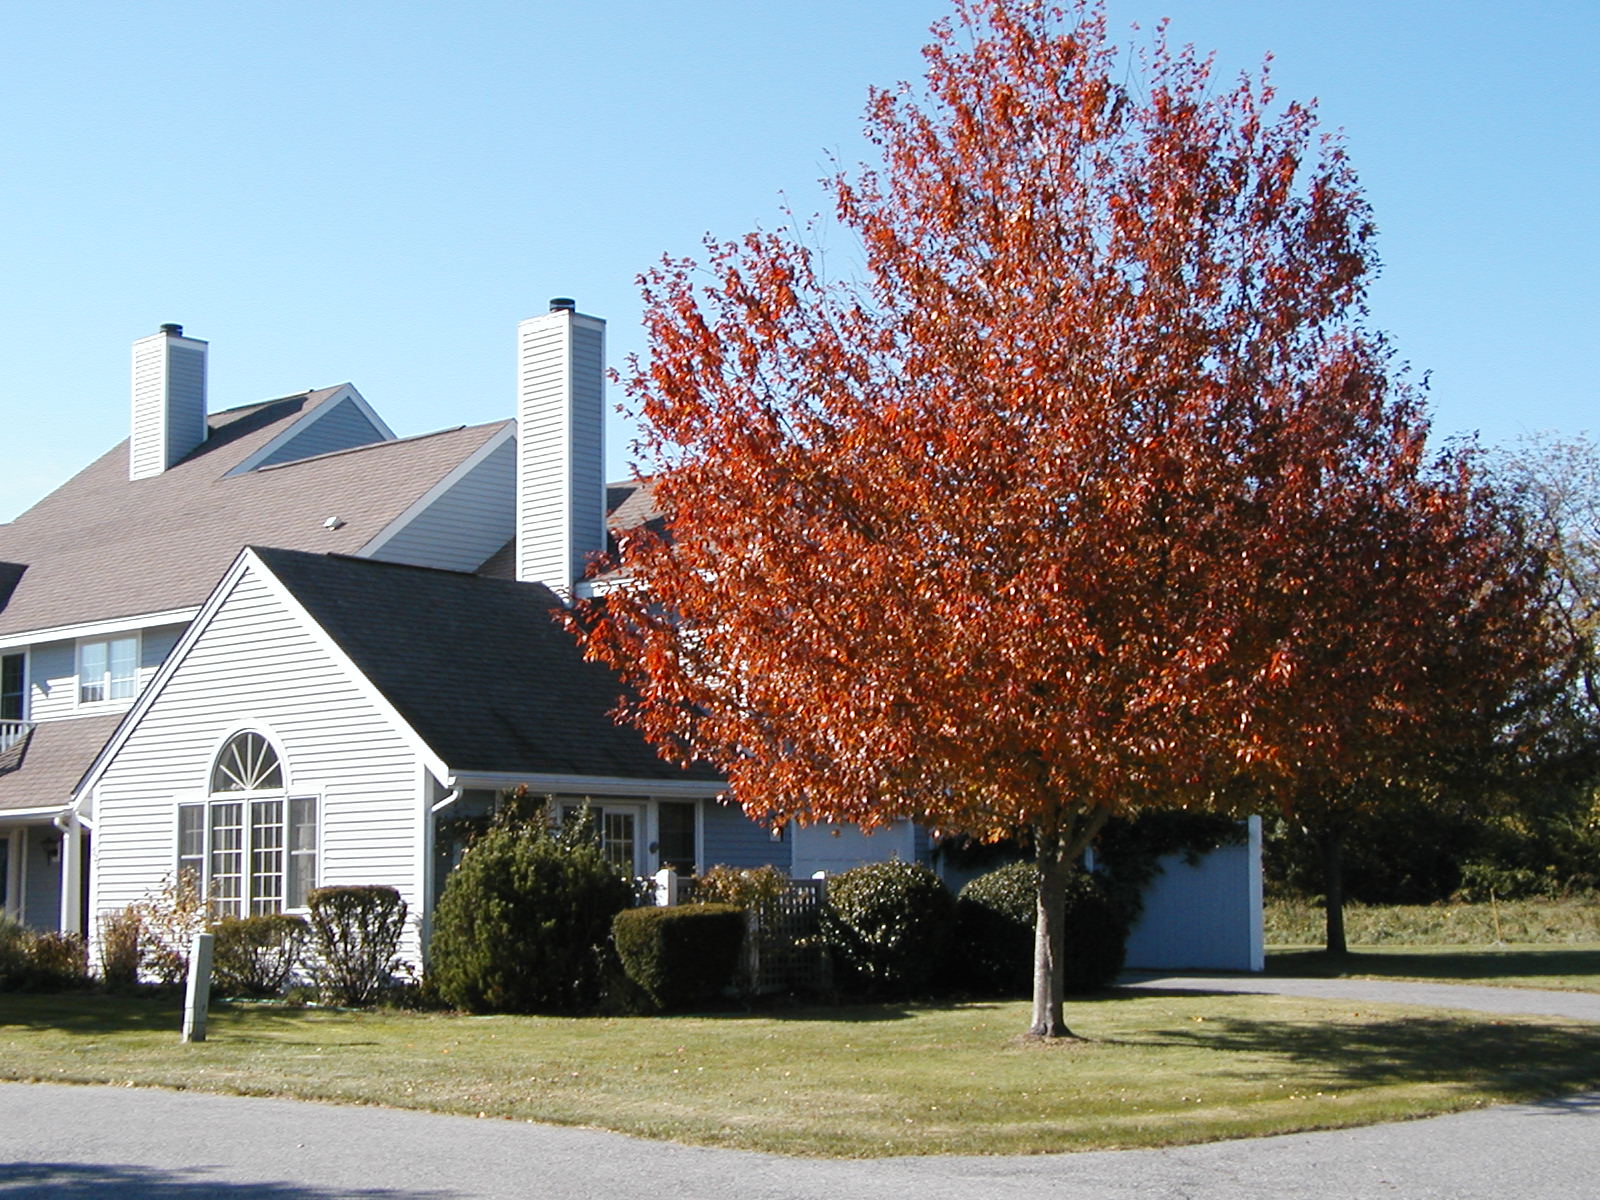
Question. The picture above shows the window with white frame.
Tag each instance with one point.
(108, 669)
(13, 687)
(251, 846)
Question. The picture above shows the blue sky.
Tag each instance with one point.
(378, 192)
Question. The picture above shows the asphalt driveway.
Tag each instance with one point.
(73, 1143)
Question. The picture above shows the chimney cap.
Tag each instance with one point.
(563, 304)
(172, 330)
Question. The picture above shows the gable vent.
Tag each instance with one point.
(169, 400)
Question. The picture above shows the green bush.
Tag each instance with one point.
(355, 932)
(34, 961)
(995, 919)
(256, 956)
(743, 887)
(524, 923)
(886, 925)
(680, 957)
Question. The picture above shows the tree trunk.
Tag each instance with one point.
(1050, 943)
(1333, 888)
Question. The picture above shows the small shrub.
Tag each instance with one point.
(256, 956)
(743, 887)
(680, 957)
(36, 961)
(355, 932)
(121, 935)
(168, 920)
(524, 923)
(995, 930)
(886, 924)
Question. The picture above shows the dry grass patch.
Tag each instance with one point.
(1155, 1070)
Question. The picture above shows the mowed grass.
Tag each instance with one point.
(1565, 968)
(1156, 1069)
(1574, 921)
(1518, 943)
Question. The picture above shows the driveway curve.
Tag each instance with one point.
(73, 1143)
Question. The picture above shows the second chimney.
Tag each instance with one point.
(560, 445)
(169, 400)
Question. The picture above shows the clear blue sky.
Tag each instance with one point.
(378, 192)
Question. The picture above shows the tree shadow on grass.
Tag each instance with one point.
(86, 1181)
(1485, 964)
(1523, 1060)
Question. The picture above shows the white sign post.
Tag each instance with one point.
(197, 998)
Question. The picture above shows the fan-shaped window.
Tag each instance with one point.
(251, 848)
(248, 763)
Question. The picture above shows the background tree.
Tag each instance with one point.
(1020, 530)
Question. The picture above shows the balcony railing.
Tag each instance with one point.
(12, 732)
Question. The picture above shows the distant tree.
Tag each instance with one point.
(1060, 510)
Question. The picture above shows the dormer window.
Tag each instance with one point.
(108, 669)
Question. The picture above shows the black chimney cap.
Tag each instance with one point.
(172, 330)
(563, 304)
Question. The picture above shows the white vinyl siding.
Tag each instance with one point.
(53, 671)
(169, 402)
(467, 523)
(255, 666)
(560, 446)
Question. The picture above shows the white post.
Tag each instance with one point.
(71, 912)
(197, 999)
(666, 888)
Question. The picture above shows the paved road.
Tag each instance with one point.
(71, 1143)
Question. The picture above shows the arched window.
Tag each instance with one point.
(251, 847)
(248, 763)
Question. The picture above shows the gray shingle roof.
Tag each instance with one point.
(102, 546)
(44, 768)
(478, 667)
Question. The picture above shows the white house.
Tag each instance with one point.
(285, 648)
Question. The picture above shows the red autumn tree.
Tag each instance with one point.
(1017, 530)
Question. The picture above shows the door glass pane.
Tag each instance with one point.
(616, 838)
(11, 687)
(677, 836)
(266, 856)
(227, 859)
(302, 864)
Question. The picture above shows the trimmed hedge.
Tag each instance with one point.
(257, 955)
(524, 923)
(886, 924)
(355, 932)
(680, 957)
(995, 918)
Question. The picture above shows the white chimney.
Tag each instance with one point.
(169, 400)
(561, 489)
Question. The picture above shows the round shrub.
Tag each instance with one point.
(355, 931)
(886, 924)
(524, 924)
(36, 961)
(256, 955)
(680, 957)
(995, 917)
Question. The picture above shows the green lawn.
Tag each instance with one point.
(1573, 968)
(1154, 1070)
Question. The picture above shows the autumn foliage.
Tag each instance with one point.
(1091, 493)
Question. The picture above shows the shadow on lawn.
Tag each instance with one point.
(93, 1014)
(85, 1181)
(1486, 964)
(1526, 1060)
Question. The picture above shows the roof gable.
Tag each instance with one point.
(103, 546)
(479, 668)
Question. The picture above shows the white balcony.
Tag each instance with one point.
(12, 732)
